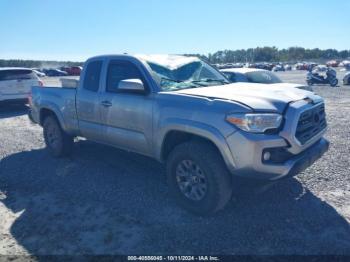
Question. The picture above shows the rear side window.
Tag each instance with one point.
(17, 74)
(92, 76)
(118, 71)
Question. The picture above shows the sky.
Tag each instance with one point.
(77, 29)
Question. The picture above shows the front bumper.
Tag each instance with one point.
(247, 151)
(308, 157)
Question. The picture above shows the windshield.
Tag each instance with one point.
(175, 74)
(263, 77)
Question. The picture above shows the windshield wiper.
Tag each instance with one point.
(209, 80)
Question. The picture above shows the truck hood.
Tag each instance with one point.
(259, 97)
(284, 85)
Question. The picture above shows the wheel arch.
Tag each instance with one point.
(50, 111)
(176, 134)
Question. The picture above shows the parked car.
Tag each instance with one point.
(16, 83)
(75, 70)
(346, 63)
(305, 66)
(184, 113)
(260, 76)
(265, 66)
(55, 72)
(37, 69)
(299, 66)
(346, 79)
(38, 73)
(278, 68)
(65, 69)
(287, 67)
(333, 63)
(347, 66)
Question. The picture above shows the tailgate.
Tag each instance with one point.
(14, 87)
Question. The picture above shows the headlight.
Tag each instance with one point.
(255, 123)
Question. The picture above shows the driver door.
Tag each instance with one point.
(126, 115)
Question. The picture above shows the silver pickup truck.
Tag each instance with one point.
(183, 112)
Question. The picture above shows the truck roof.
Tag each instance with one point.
(170, 61)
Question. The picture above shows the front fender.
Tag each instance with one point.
(195, 128)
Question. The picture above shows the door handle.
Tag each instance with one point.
(106, 103)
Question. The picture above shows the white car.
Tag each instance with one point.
(16, 84)
(260, 76)
(38, 73)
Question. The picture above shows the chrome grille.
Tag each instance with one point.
(311, 122)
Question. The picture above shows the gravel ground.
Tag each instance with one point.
(106, 201)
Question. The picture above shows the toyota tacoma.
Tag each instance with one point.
(184, 113)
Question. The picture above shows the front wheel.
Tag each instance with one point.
(334, 82)
(198, 177)
(58, 142)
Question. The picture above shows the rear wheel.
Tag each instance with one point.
(58, 142)
(198, 177)
(309, 82)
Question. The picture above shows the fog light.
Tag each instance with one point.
(267, 156)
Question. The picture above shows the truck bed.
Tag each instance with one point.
(72, 81)
(61, 100)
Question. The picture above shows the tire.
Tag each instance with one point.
(309, 82)
(57, 141)
(334, 82)
(213, 172)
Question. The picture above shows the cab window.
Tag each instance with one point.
(121, 70)
(92, 76)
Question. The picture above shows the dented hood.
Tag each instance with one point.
(259, 97)
(284, 85)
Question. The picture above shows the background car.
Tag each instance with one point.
(65, 69)
(346, 79)
(259, 76)
(278, 68)
(74, 70)
(305, 65)
(288, 67)
(38, 73)
(55, 72)
(16, 84)
(347, 66)
(333, 63)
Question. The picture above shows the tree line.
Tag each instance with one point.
(36, 63)
(251, 55)
(273, 54)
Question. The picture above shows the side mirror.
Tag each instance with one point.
(131, 85)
